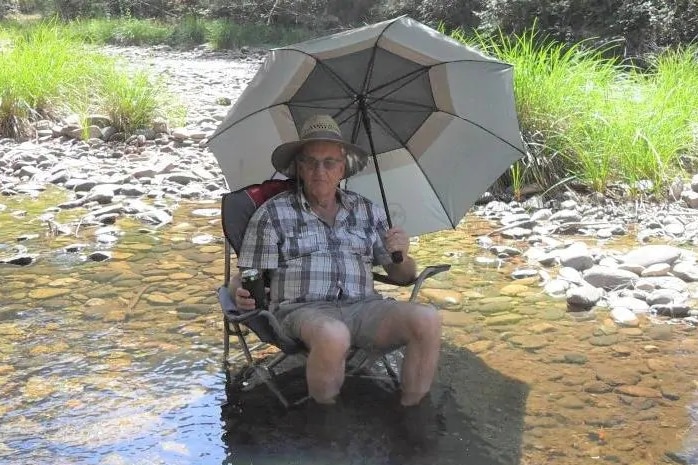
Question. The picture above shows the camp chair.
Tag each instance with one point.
(236, 210)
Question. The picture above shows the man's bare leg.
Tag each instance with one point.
(419, 326)
(328, 341)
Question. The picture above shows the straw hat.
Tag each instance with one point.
(318, 128)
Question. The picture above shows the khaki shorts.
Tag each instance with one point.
(363, 318)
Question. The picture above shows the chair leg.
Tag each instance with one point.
(243, 343)
(226, 340)
(391, 372)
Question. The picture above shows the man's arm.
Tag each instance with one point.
(405, 272)
(259, 250)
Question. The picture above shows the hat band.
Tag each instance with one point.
(323, 135)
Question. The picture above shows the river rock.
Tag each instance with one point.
(571, 275)
(624, 317)
(691, 198)
(523, 273)
(631, 303)
(20, 259)
(516, 233)
(505, 251)
(664, 297)
(48, 293)
(583, 297)
(609, 278)
(652, 254)
(661, 282)
(441, 296)
(615, 377)
(566, 216)
(577, 256)
(685, 271)
(672, 310)
(543, 214)
(556, 288)
(639, 391)
(658, 269)
(99, 256)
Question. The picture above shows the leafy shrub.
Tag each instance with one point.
(643, 25)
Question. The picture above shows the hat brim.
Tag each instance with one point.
(283, 156)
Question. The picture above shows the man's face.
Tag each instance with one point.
(321, 166)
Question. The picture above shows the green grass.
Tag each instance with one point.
(45, 73)
(589, 118)
(185, 32)
(228, 35)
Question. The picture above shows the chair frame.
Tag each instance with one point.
(234, 321)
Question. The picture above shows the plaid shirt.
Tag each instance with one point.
(309, 260)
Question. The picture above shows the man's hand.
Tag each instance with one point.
(243, 301)
(396, 240)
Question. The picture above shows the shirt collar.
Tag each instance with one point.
(345, 200)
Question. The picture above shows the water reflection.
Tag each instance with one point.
(478, 411)
(119, 362)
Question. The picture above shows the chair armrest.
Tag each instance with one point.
(230, 309)
(262, 322)
(426, 273)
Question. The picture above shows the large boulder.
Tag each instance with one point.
(651, 255)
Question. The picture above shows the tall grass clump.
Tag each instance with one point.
(135, 101)
(189, 31)
(46, 74)
(587, 117)
(41, 75)
(118, 31)
(229, 35)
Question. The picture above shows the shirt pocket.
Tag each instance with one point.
(300, 242)
(360, 242)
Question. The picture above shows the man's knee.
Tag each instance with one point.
(424, 323)
(331, 337)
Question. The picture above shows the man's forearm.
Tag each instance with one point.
(403, 272)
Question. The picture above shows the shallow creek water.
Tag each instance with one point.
(120, 362)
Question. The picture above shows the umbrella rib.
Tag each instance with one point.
(221, 131)
(431, 184)
(356, 127)
(425, 69)
(412, 74)
(484, 129)
(369, 72)
(386, 127)
(347, 88)
(319, 107)
(407, 103)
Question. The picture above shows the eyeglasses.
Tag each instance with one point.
(328, 163)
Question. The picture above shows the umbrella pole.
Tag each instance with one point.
(396, 256)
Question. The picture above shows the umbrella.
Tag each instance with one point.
(438, 117)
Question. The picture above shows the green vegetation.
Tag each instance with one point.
(45, 73)
(226, 34)
(585, 116)
(186, 32)
(589, 118)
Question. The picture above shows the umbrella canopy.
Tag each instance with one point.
(438, 117)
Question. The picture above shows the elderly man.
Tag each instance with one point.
(319, 244)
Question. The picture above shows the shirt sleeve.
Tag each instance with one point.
(380, 253)
(260, 248)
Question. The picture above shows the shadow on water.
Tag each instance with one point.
(478, 412)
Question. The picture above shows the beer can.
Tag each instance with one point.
(253, 282)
